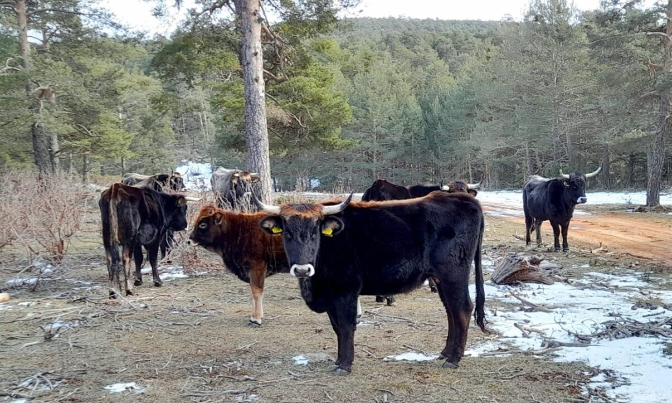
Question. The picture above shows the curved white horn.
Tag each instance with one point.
(328, 210)
(563, 175)
(254, 174)
(590, 175)
(474, 185)
(236, 174)
(192, 199)
(266, 208)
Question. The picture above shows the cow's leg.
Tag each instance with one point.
(556, 235)
(359, 311)
(127, 255)
(114, 269)
(257, 277)
(390, 300)
(565, 227)
(138, 257)
(333, 318)
(537, 227)
(433, 284)
(455, 296)
(153, 255)
(529, 223)
(345, 312)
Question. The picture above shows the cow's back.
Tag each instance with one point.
(536, 200)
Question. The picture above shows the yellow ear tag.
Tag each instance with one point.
(327, 231)
(276, 230)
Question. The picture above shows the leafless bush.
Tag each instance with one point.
(46, 213)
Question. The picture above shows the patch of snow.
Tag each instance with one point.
(196, 176)
(167, 273)
(246, 398)
(487, 347)
(365, 323)
(300, 360)
(27, 303)
(60, 324)
(514, 198)
(411, 356)
(17, 282)
(639, 361)
(123, 387)
(18, 401)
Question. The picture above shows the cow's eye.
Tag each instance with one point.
(203, 225)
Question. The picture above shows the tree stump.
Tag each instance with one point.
(514, 269)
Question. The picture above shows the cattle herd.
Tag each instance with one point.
(390, 242)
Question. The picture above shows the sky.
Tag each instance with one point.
(137, 14)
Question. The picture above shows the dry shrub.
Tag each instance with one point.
(46, 213)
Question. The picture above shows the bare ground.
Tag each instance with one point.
(189, 340)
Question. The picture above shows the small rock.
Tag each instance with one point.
(4, 297)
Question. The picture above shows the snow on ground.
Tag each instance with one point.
(122, 387)
(641, 368)
(514, 198)
(410, 356)
(167, 273)
(300, 360)
(196, 176)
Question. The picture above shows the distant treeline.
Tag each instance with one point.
(411, 101)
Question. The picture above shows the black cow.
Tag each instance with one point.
(382, 248)
(382, 190)
(230, 187)
(159, 182)
(553, 200)
(134, 217)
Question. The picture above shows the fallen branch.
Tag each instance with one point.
(530, 304)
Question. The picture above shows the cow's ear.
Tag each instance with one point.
(181, 201)
(217, 217)
(332, 226)
(271, 224)
(565, 183)
(472, 192)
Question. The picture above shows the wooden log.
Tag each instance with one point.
(514, 269)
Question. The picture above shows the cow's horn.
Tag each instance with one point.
(236, 174)
(254, 174)
(563, 175)
(445, 187)
(266, 208)
(474, 185)
(590, 175)
(193, 199)
(328, 210)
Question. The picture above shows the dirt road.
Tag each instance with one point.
(640, 235)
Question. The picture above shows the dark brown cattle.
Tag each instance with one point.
(132, 218)
(230, 187)
(382, 190)
(383, 248)
(158, 182)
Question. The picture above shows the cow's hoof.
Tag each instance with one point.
(566, 250)
(340, 371)
(433, 289)
(158, 283)
(449, 364)
(391, 303)
(380, 299)
(137, 283)
(254, 324)
(129, 292)
(113, 295)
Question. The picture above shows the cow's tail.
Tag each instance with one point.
(479, 313)
(114, 222)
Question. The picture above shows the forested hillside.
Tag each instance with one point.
(407, 100)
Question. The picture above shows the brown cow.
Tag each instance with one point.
(247, 251)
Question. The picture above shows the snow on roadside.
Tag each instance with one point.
(514, 198)
(638, 361)
(123, 387)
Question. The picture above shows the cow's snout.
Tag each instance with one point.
(302, 270)
(581, 200)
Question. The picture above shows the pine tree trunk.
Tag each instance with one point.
(54, 153)
(606, 166)
(252, 61)
(40, 143)
(655, 158)
(85, 168)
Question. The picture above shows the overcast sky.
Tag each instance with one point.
(138, 14)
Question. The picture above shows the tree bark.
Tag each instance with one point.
(40, 142)
(655, 158)
(85, 168)
(252, 62)
(606, 166)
